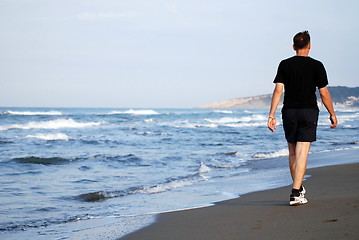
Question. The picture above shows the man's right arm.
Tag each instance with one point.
(328, 103)
(277, 94)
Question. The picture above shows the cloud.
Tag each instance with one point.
(90, 16)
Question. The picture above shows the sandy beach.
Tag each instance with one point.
(332, 213)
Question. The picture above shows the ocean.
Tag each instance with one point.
(68, 172)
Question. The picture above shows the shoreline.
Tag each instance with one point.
(236, 214)
(332, 213)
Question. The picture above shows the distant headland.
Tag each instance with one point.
(343, 97)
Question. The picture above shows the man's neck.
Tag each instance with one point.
(303, 53)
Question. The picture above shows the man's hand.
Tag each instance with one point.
(272, 124)
(328, 103)
(334, 121)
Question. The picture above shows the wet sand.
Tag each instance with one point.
(332, 213)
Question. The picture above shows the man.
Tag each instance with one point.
(300, 76)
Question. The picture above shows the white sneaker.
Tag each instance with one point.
(302, 192)
(297, 200)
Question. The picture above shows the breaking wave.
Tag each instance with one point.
(253, 118)
(167, 186)
(159, 188)
(99, 196)
(223, 111)
(136, 112)
(280, 153)
(52, 124)
(216, 125)
(250, 121)
(29, 113)
(204, 169)
(241, 125)
(223, 120)
(50, 136)
(42, 223)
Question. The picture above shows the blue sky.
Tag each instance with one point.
(157, 53)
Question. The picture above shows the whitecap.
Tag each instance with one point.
(136, 112)
(50, 136)
(149, 120)
(145, 133)
(52, 124)
(347, 110)
(203, 169)
(280, 153)
(191, 125)
(29, 113)
(241, 125)
(223, 111)
(170, 185)
(256, 117)
(222, 120)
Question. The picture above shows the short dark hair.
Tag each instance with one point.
(301, 40)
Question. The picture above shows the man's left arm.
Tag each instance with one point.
(328, 103)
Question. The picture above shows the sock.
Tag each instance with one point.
(301, 188)
(295, 192)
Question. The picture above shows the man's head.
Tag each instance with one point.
(301, 40)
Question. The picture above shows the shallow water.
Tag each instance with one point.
(68, 170)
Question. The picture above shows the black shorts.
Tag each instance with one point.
(300, 125)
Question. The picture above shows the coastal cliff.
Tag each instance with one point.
(343, 97)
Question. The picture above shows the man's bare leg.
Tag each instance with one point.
(292, 158)
(298, 158)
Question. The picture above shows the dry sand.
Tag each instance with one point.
(332, 213)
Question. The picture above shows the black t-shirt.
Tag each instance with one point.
(301, 76)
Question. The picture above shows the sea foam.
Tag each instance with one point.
(223, 111)
(30, 113)
(52, 124)
(251, 118)
(162, 187)
(136, 112)
(203, 169)
(50, 136)
(168, 186)
(222, 120)
(256, 117)
(280, 153)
